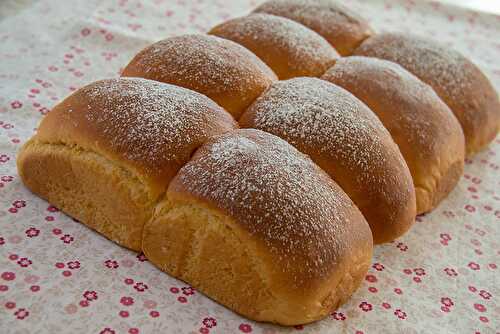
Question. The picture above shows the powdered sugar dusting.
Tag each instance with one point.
(446, 70)
(276, 193)
(206, 61)
(148, 121)
(312, 113)
(307, 53)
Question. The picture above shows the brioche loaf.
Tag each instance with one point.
(106, 153)
(288, 48)
(257, 226)
(341, 27)
(248, 219)
(223, 70)
(459, 83)
(426, 131)
(348, 141)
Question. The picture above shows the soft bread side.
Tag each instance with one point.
(257, 226)
(107, 153)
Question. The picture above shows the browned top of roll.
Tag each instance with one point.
(459, 83)
(282, 198)
(148, 126)
(347, 140)
(223, 70)
(287, 47)
(341, 27)
(426, 131)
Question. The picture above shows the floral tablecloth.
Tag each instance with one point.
(57, 276)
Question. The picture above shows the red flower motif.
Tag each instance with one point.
(141, 287)
(8, 276)
(450, 272)
(7, 178)
(2, 241)
(141, 257)
(366, 307)
(419, 271)
(10, 305)
(129, 281)
(378, 266)
(402, 247)
(245, 328)
(127, 301)
(133, 331)
(371, 278)
(407, 271)
(124, 314)
(483, 319)
(67, 238)
(4, 158)
(107, 330)
(470, 208)
(446, 301)
(398, 291)
(472, 289)
(485, 294)
(112, 264)
(154, 314)
(174, 290)
(209, 322)
(16, 104)
(84, 303)
(372, 289)
(474, 266)
(188, 291)
(21, 313)
(386, 305)
(32, 232)
(19, 204)
(480, 307)
(338, 316)
(24, 262)
(182, 299)
(417, 279)
(90, 295)
(400, 314)
(3, 288)
(73, 264)
(52, 208)
(56, 231)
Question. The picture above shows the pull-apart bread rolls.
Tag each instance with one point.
(257, 226)
(287, 47)
(426, 131)
(459, 83)
(106, 153)
(223, 70)
(341, 27)
(345, 138)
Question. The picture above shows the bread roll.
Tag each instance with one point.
(459, 83)
(223, 70)
(257, 226)
(348, 141)
(287, 47)
(107, 153)
(341, 27)
(426, 131)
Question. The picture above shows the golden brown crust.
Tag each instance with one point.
(288, 48)
(251, 209)
(342, 28)
(457, 81)
(223, 70)
(347, 140)
(426, 131)
(120, 135)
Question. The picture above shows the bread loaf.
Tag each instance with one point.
(348, 141)
(107, 153)
(426, 131)
(459, 83)
(288, 48)
(257, 226)
(223, 70)
(341, 27)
